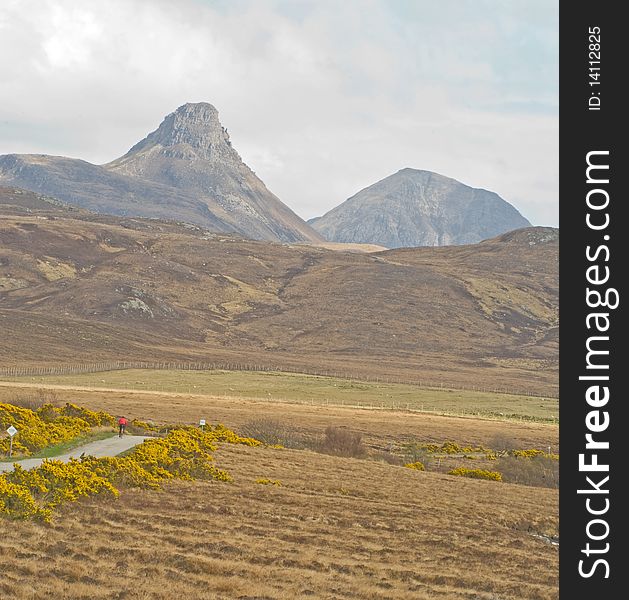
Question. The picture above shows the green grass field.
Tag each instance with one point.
(275, 386)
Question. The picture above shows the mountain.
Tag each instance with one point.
(186, 170)
(419, 208)
(89, 287)
(191, 151)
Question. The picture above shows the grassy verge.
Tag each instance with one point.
(315, 390)
(65, 447)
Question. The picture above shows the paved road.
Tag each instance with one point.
(108, 447)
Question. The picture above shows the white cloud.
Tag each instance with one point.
(320, 98)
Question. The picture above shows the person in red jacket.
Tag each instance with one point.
(122, 425)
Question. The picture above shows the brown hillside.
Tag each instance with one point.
(80, 287)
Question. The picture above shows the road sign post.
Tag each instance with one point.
(202, 424)
(11, 431)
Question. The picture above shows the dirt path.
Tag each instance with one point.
(108, 447)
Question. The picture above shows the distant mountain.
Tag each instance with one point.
(186, 170)
(419, 208)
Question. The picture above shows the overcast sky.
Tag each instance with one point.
(321, 98)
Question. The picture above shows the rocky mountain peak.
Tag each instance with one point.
(193, 131)
(419, 208)
(190, 157)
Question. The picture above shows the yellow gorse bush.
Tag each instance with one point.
(95, 419)
(38, 429)
(476, 473)
(55, 482)
(265, 481)
(17, 502)
(447, 448)
(532, 454)
(34, 493)
(48, 425)
(417, 465)
(223, 434)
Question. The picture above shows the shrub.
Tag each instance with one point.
(418, 466)
(342, 442)
(35, 432)
(124, 471)
(220, 433)
(538, 471)
(47, 412)
(182, 454)
(34, 493)
(142, 427)
(387, 457)
(264, 481)
(36, 400)
(30, 402)
(451, 448)
(16, 502)
(447, 447)
(417, 453)
(476, 473)
(95, 419)
(533, 453)
(502, 443)
(55, 482)
(273, 433)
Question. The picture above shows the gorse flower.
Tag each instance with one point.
(476, 473)
(47, 426)
(417, 465)
(17, 502)
(532, 454)
(445, 448)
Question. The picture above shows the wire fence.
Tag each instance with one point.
(80, 368)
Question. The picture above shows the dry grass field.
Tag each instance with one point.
(378, 428)
(291, 387)
(336, 528)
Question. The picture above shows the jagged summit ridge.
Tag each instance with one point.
(192, 132)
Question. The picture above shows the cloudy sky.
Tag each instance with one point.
(321, 98)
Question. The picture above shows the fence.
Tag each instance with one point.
(75, 369)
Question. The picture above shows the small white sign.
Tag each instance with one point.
(202, 422)
(11, 431)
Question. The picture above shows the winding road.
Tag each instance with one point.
(108, 447)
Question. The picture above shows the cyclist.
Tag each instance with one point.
(122, 425)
